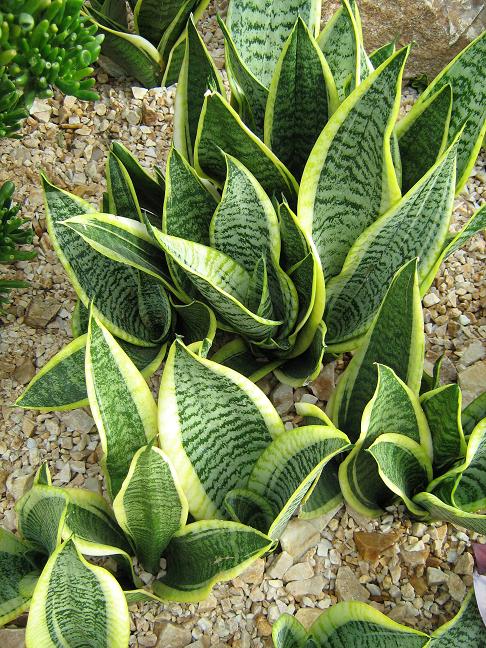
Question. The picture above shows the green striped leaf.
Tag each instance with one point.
(150, 194)
(313, 415)
(188, 209)
(198, 75)
(465, 629)
(295, 247)
(301, 99)
(403, 466)
(122, 199)
(432, 382)
(395, 339)
(416, 227)
(245, 506)
(61, 383)
(287, 632)
(154, 306)
(289, 466)
(341, 42)
(174, 62)
(221, 281)
(221, 130)
(341, 197)
(121, 404)
(354, 624)
(214, 424)
(175, 30)
(18, 575)
(382, 54)
(469, 493)
(111, 286)
(40, 517)
(43, 476)
(204, 553)
(465, 75)
(77, 604)
(196, 322)
(237, 355)
(150, 505)
(304, 368)
(250, 95)
(79, 319)
(153, 18)
(260, 29)
(325, 496)
(473, 413)
(424, 139)
(245, 227)
(393, 407)
(439, 510)
(442, 407)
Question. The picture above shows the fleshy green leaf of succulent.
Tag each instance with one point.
(238, 356)
(153, 19)
(203, 553)
(341, 42)
(465, 74)
(122, 199)
(61, 383)
(442, 407)
(325, 496)
(111, 286)
(382, 54)
(196, 322)
(465, 629)
(305, 367)
(473, 413)
(76, 603)
(79, 319)
(40, 517)
(198, 75)
(213, 426)
(339, 200)
(245, 506)
(12, 111)
(221, 130)
(302, 97)
(289, 466)
(288, 632)
(18, 575)
(150, 505)
(260, 29)
(424, 139)
(404, 467)
(439, 510)
(417, 226)
(469, 492)
(121, 403)
(47, 44)
(395, 339)
(393, 407)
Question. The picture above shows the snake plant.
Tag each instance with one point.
(146, 43)
(14, 232)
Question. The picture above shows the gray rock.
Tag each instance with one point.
(306, 587)
(24, 372)
(78, 421)
(280, 565)
(456, 587)
(283, 398)
(299, 572)
(472, 381)
(464, 564)
(436, 576)
(41, 311)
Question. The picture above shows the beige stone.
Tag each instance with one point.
(371, 546)
(299, 536)
(41, 311)
(24, 372)
(307, 616)
(472, 381)
(172, 636)
(12, 638)
(348, 587)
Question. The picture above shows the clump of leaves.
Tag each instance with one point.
(147, 42)
(43, 43)
(14, 232)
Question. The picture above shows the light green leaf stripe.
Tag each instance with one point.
(111, 286)
(353, 624)
(214, 424)
(416, 227)
(286, 470)
(174, 62)
(438, 510)
(287, 632)
(188, 209)
(204, 553)
(465, 629)
(340, 198)
(393, 407)
(61, 383)
(18, 575)
(198, 75)
(40, 517)
(301, 99)
(341, 43)
(246, 89)
(466, 76)
(425, 138)
(473, 413)
(121, 404)
(395, 339)
(122, 199)
(221, 130)
(150, 505)
(261, 27)
(245, 506)
(404, 467)
(43, 476)
(221, 281)
(469, 493)
(77, 604)
(442, 407)
(313, 415)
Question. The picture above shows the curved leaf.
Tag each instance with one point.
(465, 629)
(469, 493)
(473, 413)
(439, 510)
(40, 517)
(287, 632)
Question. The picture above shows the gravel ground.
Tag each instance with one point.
(415, 573)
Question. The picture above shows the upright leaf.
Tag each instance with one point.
(214, 424)
(150, 505)
(288, 632)
(261, 27)
(473, 413)
(122, 199)
(121, 403)
(379, 56)
(152, 19)
(349, 179)
(40, 517)
(77, 604)
(301, 99)
(469, 493)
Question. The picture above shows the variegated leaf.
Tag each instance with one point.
(473, 413)
(305, 367)
(382, 54)
(213, 426)
(245, 506)
(465, 629)
(40, 517)
(122, 199)
(439, 510)
(153, 18)
(288, 632)
(238, 356)
(469, 492)
(349, 179)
